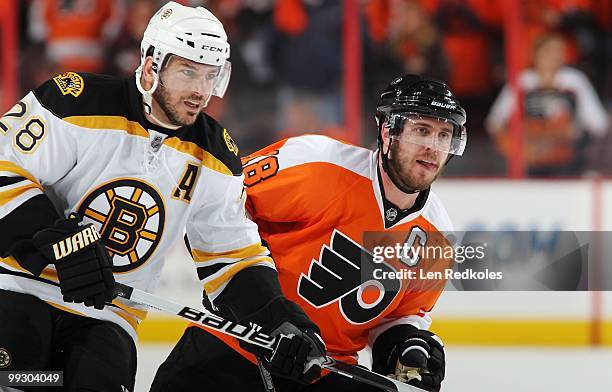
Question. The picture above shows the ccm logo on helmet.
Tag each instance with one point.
(443, 105)
(76, 242)
(212, 48)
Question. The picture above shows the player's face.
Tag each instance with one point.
(413, 155)
(184, 89)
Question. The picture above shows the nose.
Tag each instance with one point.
(202, 87)
(431, 151)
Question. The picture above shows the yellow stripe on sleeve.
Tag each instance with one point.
(9, 195)
(217, 282)
(242, 253)
(12, 167)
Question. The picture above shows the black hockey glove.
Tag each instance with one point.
(299, 353)
(265, 305)
(417, 360)
(83, 265)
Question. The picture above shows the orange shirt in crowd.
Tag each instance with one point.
(75, 32)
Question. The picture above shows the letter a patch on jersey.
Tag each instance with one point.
(70, 83)
(344, 273)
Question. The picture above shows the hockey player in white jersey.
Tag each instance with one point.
(139, 162)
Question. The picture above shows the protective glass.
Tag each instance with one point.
(413, 128)
(208, 80)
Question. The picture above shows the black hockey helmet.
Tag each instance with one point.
(415, 95)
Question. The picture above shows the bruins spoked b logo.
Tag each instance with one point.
(129, 215)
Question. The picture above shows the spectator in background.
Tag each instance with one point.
(405, 40)
(561, 112)
(465, 39)
(251, 105)
(306, 51)
(76, 32)
(400, 38)
(124, 53)
(469, 33)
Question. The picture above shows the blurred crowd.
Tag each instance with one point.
(288, 67)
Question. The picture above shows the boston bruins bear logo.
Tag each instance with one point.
(70, 83)
(129, 215)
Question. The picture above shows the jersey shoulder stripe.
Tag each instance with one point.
(323, 149)
(436, 214)
(105, 102)
(207, 134)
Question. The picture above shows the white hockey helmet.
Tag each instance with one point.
(192, 33)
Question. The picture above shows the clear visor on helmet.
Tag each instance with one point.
(436, 133)
(189, 77)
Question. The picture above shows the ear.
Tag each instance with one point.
(148, 75)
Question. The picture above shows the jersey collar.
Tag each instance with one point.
(390, 214)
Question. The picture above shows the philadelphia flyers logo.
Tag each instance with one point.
(129, 215)
(344, 273)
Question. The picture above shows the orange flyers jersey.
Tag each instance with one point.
(317, 201)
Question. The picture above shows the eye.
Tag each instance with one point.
(422, 131)
(444, 135)
(188, 72)
(211, 76)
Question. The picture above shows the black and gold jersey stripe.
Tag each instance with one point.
(107, 102)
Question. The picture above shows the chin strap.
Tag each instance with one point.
(162, 123)
(147, 95)
(147, 99)
(392, 175)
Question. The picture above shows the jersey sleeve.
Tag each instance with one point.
(37, 148)
(295, 179)
(268, 180)
(223, 240)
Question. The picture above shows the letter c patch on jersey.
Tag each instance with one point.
(129, 215)
(344, 273)
(70, 83)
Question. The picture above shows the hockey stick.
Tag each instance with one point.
(212, 321)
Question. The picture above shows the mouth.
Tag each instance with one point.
(193, 107)
(428, 165)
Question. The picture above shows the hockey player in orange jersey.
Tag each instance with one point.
(321, 206)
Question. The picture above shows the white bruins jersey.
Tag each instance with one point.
(82, 141)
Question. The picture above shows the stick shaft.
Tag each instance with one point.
(212, 321)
